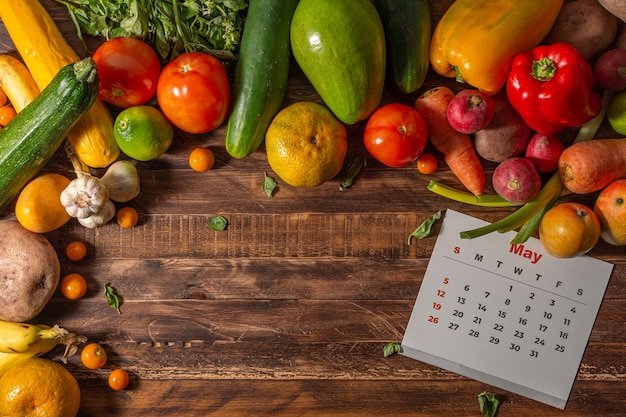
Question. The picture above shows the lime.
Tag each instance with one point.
(616, 112)
(143, 132)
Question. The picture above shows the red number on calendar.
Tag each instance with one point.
(446, 280)
(441, 293)
(433, 319)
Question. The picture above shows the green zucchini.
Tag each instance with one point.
(261, 74)
(28, 142)
(407, 28)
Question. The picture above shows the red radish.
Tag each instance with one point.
(610, 70)
(516, 180)
(544, 152)
(470, 111)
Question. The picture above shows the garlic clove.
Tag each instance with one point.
(84, 196)
(122, 181)
(101, 218)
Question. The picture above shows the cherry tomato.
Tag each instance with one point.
(7, 113)
(118, 379)
(127, 217)
(73, 286)
(395, 134)
(569, 229)
(201, 159)
(93, 356)
(194, 93)
(129, 71)
(76, 251)
(427, 163)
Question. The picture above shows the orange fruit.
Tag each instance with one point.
(39, 387)
(569, 229)
(610, 207)
(305, 144)
(38, 207)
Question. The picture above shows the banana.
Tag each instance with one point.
(39, 346)
(18, 337)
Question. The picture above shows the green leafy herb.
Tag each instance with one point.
(170, 26)
(488, 403)
(269, 185)
(425, 229)
(391, 349)
(113, 300)
(218, 223)
(352, 171)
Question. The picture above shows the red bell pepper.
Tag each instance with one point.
(551, 87)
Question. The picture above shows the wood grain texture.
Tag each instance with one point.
(287, 311)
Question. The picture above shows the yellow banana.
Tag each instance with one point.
(40, 346)
(18, 337)
(16, 82)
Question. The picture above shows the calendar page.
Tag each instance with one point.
(508, 315)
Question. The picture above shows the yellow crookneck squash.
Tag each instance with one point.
(45, 51)
(476, 40)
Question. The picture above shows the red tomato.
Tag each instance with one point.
(395, 134)
(129, 71)
(193, 92)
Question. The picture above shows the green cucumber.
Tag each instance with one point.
(407, 28)
(31, 138)
(261, 74)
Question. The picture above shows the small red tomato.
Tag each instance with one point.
(129, 71)
(427, 163)
(193, 92)
(395, 134)
(118, 379)
(93, 356)
(73, 286)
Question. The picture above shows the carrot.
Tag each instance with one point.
(586, 167)
(457, 148)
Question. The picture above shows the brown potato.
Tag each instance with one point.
(29, 272)
(586, 25)
(616, 7)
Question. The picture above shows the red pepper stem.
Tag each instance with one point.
(543, 69)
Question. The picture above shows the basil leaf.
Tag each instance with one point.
(352, 171)
(218, 223)
(425, 229)
(391, 349)
(269, 185)
(113, 299)
(488, 404)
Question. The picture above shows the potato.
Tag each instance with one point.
(616, 7)
(586, 25)
(29, 272)
(506, 135)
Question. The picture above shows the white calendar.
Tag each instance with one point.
(511, 316)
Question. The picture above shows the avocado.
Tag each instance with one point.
(340, 47)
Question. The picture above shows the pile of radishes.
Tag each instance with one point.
(501, 135)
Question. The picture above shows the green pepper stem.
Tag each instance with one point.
(543, 69)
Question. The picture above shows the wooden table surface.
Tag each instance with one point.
(287, 311)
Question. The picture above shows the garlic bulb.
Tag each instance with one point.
(100, 218)
(122, 180)
(84, 196)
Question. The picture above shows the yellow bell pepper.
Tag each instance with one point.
(476, 40)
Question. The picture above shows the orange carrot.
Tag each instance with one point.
(457, 148)
(590, 166)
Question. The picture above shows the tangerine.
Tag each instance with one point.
(39, 387)
(306, 144)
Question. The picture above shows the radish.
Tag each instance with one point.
(544, 152)
(516, 180)
(470, 111)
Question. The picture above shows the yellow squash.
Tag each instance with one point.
(476, 40)
(45, 51)
(16, 82)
